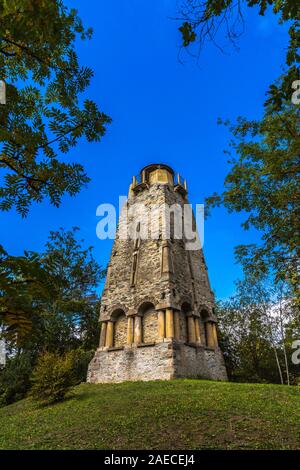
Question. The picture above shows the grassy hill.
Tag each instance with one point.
(181, 414)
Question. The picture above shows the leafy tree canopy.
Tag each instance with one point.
(43, 116)
(25, 291)
(255, 331)
(51, 295)
(263, 180)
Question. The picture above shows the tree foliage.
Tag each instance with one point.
(25, 291)
(50, 299)
(257, 326)
(263, 180)
(44, 115)
(48, 303)
(206, 20)
(52, 378)
(263, 183)
(15, 378)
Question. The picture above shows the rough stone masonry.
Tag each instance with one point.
(157, 310)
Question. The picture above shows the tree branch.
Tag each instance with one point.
(34, 56)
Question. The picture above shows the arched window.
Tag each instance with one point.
(149, 322)
(120, 328)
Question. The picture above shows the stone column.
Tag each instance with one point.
(103, 334)
(109, 342)
(169, 323)
(215, 336)
(177, 324)
(137, 329)
(209, 335)
(161, 324)
(166, 261)
(191, 329)
(198, 330)
(130, 330)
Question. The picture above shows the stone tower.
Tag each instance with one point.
(157, 310)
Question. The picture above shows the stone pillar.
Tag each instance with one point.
(177, 324)
(130, 190)
(103, 334)
(109, 342)
(198, 330)
(166, 262)
(169, 323)
(130, 330)
(161, 324)
(215, 336)
(191, 329)
(137, 329)
(209, 335)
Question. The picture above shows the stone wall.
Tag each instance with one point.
(188, 279)
(120, 331)
(198, 362)
(132, 363)
(183, 327)
(150, 326)
(148, 281)
(162, 361)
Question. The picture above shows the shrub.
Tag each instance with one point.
(15, 378)
(53, 377)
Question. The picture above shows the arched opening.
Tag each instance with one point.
(149, 322)
(204, 315)
(120, 328)
(186, 310)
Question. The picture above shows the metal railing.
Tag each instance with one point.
(143, 178)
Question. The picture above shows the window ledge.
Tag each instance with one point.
(120, 348)
(145, 345)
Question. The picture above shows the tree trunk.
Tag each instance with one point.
(286, 364)
(283, 345)
(278, 365)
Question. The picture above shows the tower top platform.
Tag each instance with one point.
(157, 166)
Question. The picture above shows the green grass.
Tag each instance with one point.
(181, 414)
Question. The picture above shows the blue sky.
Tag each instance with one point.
(162, 110)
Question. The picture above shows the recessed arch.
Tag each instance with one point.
(186, 300)
(120, 327)
(186, 307)
(114, 310)
(116, 314)
(145, 306)
(186, 310)
(141, 302)
(149, 322)
(204, 315)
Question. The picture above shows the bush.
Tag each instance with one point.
(53, 374)
(15, 378)
(53, 377)
(81, 362)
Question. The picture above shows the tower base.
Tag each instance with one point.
(159, 361)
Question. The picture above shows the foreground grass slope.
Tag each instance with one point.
(181, 414)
